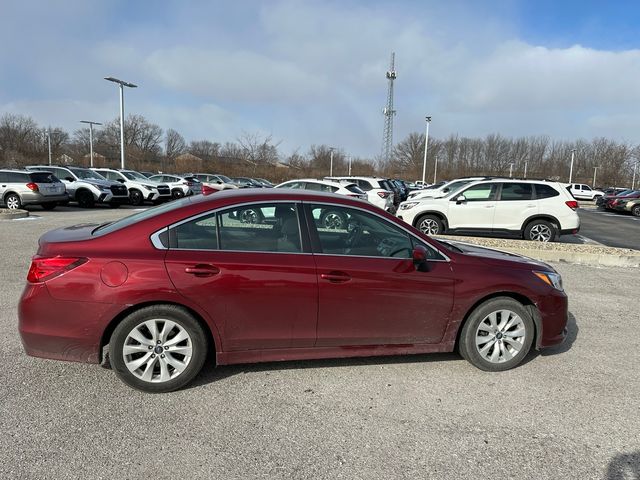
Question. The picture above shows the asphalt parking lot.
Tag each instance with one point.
(568, 413)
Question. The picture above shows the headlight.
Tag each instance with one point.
(408, 205)
(147, 187)
(104, 189)
(550, 278)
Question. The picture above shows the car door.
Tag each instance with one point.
(476, 211)
(254, 279)
(4, 181)
(369, 290)
(515, 204)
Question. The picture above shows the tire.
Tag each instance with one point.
(13, 202)
(136, 198)
(85, 199)
(333, 219)
(430, 225)
(148, 358)
(49, 205)
(509, 331)
(250, 215)
(177, 193)
(635, 211)
(540, 231)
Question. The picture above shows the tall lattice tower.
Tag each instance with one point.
(389, 112)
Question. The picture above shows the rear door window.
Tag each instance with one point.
(43, 177)
(516, 191)
(545, 191)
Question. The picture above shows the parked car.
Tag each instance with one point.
(376, 193)
(581, 191)
(21, 188)
(533, 210)
(619, 202)
(444, 189)
(246, 182)
(86, 186)
(217, 182)
(180, 186)
(633, 207)
(141, 189)
(602, 201)
(328, 218)
(265, 183)
(282, 289)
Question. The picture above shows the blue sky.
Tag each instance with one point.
(312, 72)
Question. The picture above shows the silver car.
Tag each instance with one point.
(19, 188)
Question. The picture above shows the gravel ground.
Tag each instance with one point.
(569, 413)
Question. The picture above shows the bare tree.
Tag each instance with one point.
(174, 144)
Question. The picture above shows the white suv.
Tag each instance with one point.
(534, 210)
(140, 188)
(583, 192)
(376, 193)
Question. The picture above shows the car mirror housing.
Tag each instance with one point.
(460, 199)
(419, 256)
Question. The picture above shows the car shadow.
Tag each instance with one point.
(210, 373)
(624, 466)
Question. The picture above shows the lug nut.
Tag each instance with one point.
(150, 347)
(162, 356)
(153, 355)
(158, 342)
(166, 348)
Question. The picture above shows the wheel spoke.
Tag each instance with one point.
(493, 321)
(148, 371)
(519, 332)
(129, 349)
(504, 319)
(496, 352)
(180, 336)
(175, 363)
(153, 328)
(186, 350)
(164, 370)
(484, 350)
(514, 344)
(506, 354)
(134, 365)
(166, 329)
(139, 337)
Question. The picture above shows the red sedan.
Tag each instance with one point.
(255, 275)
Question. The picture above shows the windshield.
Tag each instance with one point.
(131, 175)
(85, 173)
(455, 186)
(224, 178)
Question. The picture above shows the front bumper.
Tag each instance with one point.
(553, 315)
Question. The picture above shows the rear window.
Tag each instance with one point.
(354, 188)
(545, 191)
(140, 216)
(43, 177)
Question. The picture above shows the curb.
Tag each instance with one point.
(6, 214)
(592, 255)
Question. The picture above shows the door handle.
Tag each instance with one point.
(202, 270)
(335, 277)
(489, 206)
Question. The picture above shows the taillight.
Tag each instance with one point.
(33, 186)
(207, 190)
(572, 204)
(383, 194)
(46, 268)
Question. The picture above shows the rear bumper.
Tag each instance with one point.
(36, 198)
(58, 329)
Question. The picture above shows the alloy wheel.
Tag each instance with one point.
(429, 226)
(333, 221)
(500, 336)
(13, 202)
(157, 350)
(541, 233)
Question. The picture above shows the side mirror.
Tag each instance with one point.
(69, 179)
(419, 256)
(445, 190)
(460, 199)
(121, 180)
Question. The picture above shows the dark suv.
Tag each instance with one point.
(19, 188)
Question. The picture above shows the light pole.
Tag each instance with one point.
(426, 145)
(595, 171)
(331, 149)
(49, 143)
(525, 169)
(91, 124)
(633, 183)
(435, 171)
(511, 169)
(122, 84)
(573, 153)
(349, 165)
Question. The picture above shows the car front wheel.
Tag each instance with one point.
(540, 231)
(158, 349)
(136, 198)
(430, 225)
(635, 211)
(497, 335)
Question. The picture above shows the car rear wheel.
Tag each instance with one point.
(430, 225)
(177, 193)
(13, 202)
(333, 219)
(635, 211)
(136, 198)
(49, 205)
(497, 335)
(540, 231)
(158, 349)
(85, 199)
